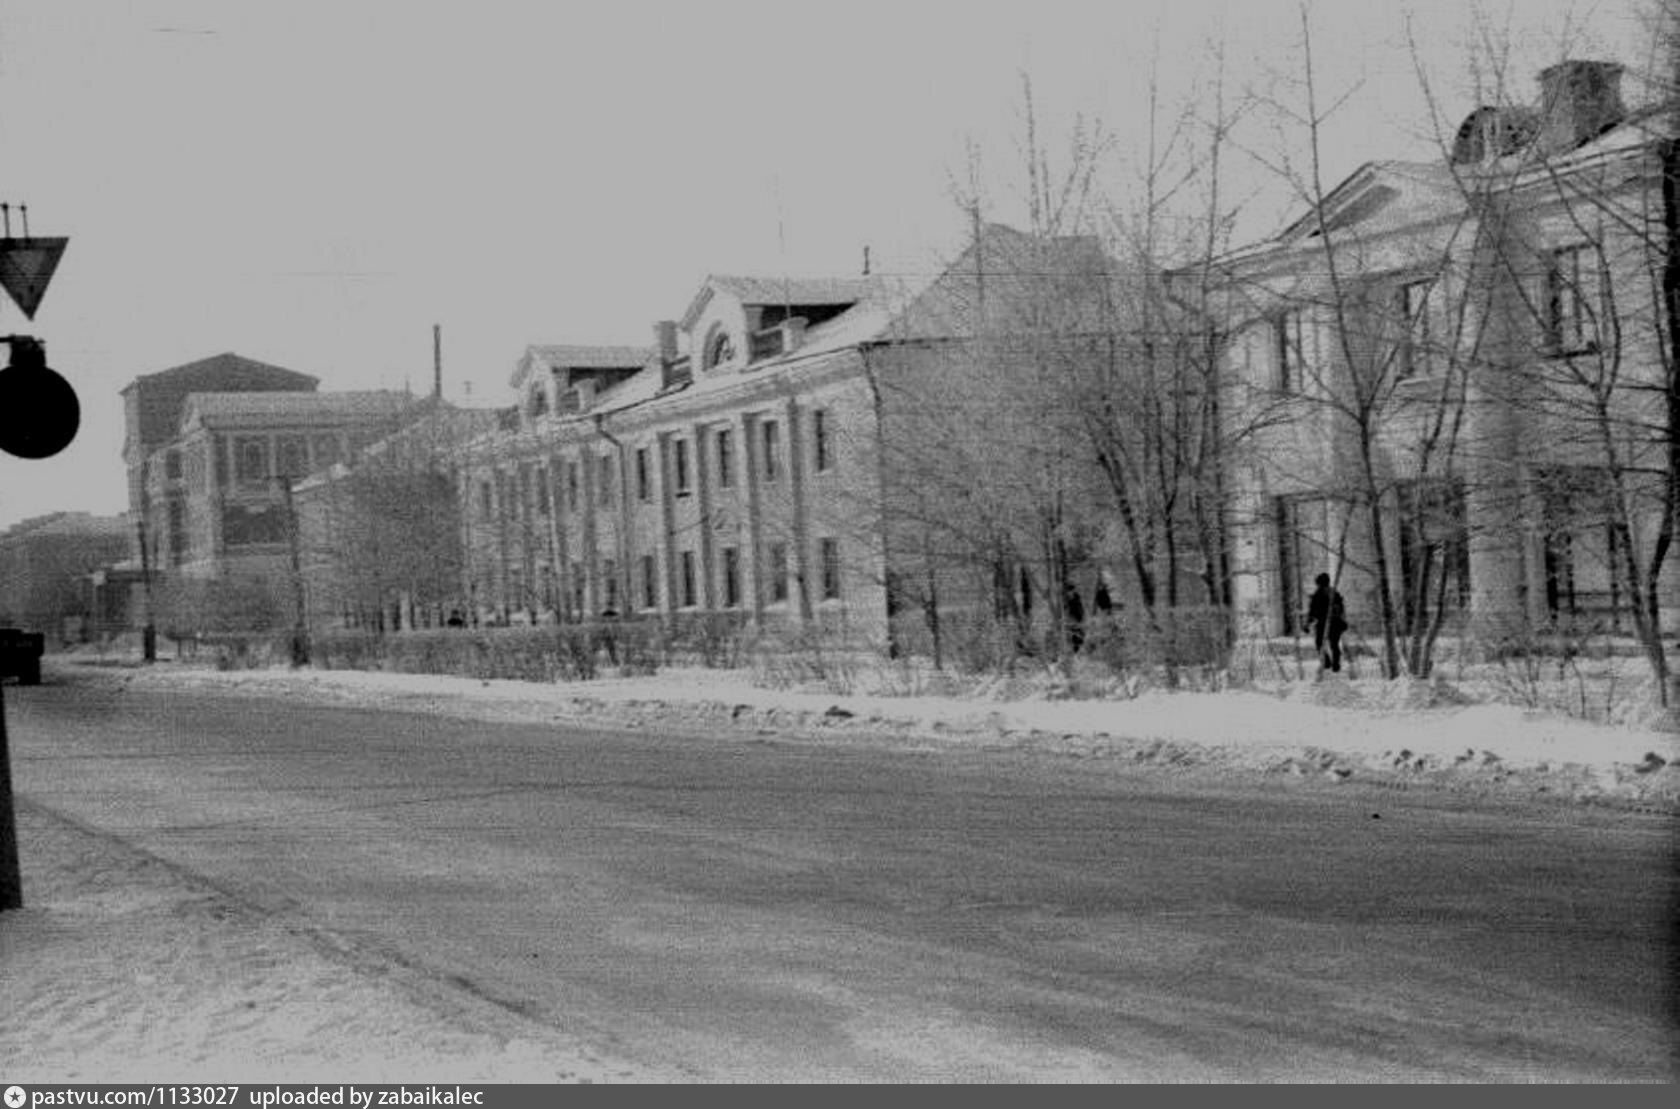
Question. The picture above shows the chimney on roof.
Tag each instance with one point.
(793, 334)
(1579, 100)
(665, 345)
(665, 339)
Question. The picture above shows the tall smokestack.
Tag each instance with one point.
(437, 361)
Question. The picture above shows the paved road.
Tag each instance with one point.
(732, 908)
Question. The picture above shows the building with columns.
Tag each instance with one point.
(1450, 377)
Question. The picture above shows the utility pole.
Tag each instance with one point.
(11, 876)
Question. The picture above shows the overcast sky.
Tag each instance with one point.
(315, 184)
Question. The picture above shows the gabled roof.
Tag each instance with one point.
(1004, 278)
(157, 398)
(227, 367)
(1379, 197)
(751, 291)
(565, 356)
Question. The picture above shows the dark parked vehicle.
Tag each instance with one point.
(20, 655)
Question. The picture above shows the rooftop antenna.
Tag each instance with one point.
(781, 247)
(866, 259)
(6, 210)
(23, 210)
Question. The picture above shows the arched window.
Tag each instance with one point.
(720, 349)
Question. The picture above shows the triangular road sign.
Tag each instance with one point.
(26, 266)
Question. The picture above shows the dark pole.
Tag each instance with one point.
(148, 631)
(300, 628)
(11, 879)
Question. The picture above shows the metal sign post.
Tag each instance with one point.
(39, 415)
(11, 876)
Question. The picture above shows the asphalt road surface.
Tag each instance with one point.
(744, 908)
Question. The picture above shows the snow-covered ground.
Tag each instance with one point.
(123, 968)
(1420, 733)
(120, 968)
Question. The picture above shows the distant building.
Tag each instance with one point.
(45, 564)
(380, 534)
(211, 448)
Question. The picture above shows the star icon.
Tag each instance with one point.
(15, 1097)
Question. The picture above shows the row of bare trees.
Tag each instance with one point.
(1473, 387)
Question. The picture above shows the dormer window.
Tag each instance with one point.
(538, 404)
(720, 350)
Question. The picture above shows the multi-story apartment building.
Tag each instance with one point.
(1451, 378)
(762, 458)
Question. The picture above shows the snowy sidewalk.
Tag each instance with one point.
(1336, 728)
(120, 968)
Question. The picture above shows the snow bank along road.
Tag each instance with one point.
(734, 905)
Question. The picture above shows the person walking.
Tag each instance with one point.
(1327, 618)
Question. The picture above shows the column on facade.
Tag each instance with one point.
(752, 467)
(560, 534)
(710, 596)
(588, 505)
(791, 416)
(666, 467)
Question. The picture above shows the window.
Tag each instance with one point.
(650, 582)
(571, 486)
(1303, 526)
(178, 540)
(1434, 551)
(778, 572)
(725, 459)
(772, 450)
(720, 350)
(505, 490)
(526, 501)
(326, 449)
(604, 478)
(1582, 546)
(246, 526)
(1574, 299)
(577, 587)
(250, 461)
(293, 455)
(822, 457)
(829, 551)
(1289, 332)
(731, 577)
(644, 483)
(609, 585)
(172, 465)
(486, 502)
(679, 463)
(1416, 357)
(542, 491)
(687, 567)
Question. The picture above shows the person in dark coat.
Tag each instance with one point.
(1073, 612)
(1327, 618)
